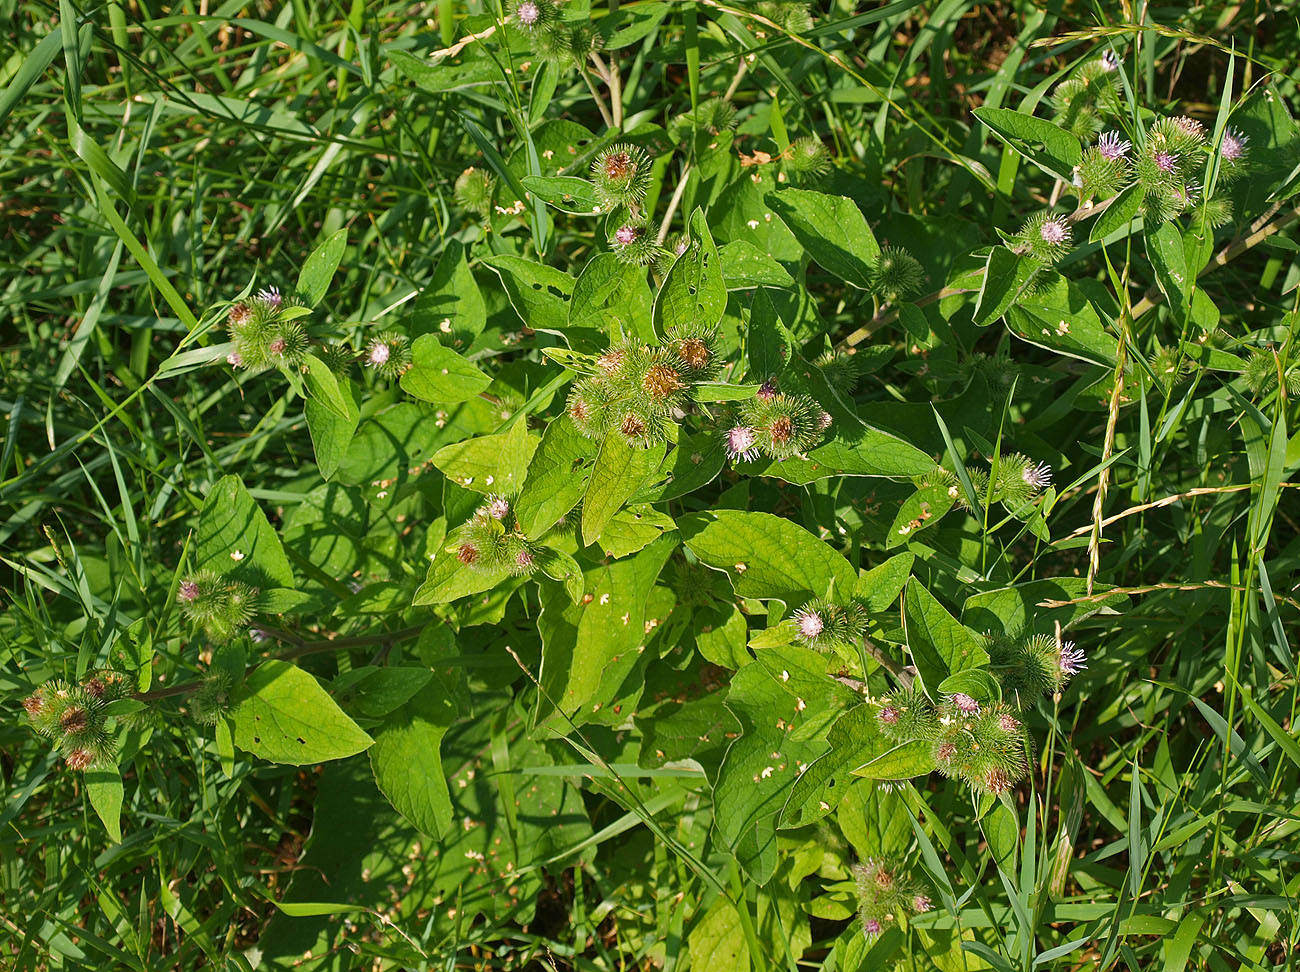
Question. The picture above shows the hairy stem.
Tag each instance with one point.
(301, 647)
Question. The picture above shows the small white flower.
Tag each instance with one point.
(1039, 477)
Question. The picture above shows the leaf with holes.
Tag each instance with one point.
(282, 714)
(539, 294)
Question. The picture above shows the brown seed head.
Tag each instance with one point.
(632, 425)
(997, 781)
(74, 719)
(694, 352)
(79, 759)
(618, 165)
(782, 430)
(34, 704)
(662, 381)
(239, 315)
(467, 554)
(611, 360)
(94, 686)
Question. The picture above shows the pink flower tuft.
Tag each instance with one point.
(964, 704)
(1055, 231)
(1073, 660)
(740, 443)
(188, 592)
(1039, 477)
(921, 904)
(810, 624)
(1165, 161)
(872, 927)
(1112, 147)
(377, 353)
(1233, 147)
(889, 715)
(528, 13)
(626, 235)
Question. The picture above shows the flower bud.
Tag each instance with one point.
(633, 244)
(1045, 237)
(808, 159)
(389, 355)
(474, 188)
(896, 275)
(621, 174)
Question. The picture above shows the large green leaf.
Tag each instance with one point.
(603, 631)
(613, 297)
(832, 230)
(770, 344)
(331, 433)
(439, 374)
(318, 270)
(451, 307)
(1060, 317)
(744, 265)
(880, 586)
(618, 471)
(557, 478)
(283, 715)
(448, 580)
(1119, 214)
(1006, 275)
(235, 538)
(1042, 142)
(786, 705)
(633, 528)
(104, 790)
(1168, 256)
(489, 463)
(445, 74)
(717, 941)
(939, 644)
(693, 292)
(569, 194)
(901, 762)
(854, 740)
(539, 294)
(923, 509)
(1020, 609)
(407, 761)
(767, 556)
